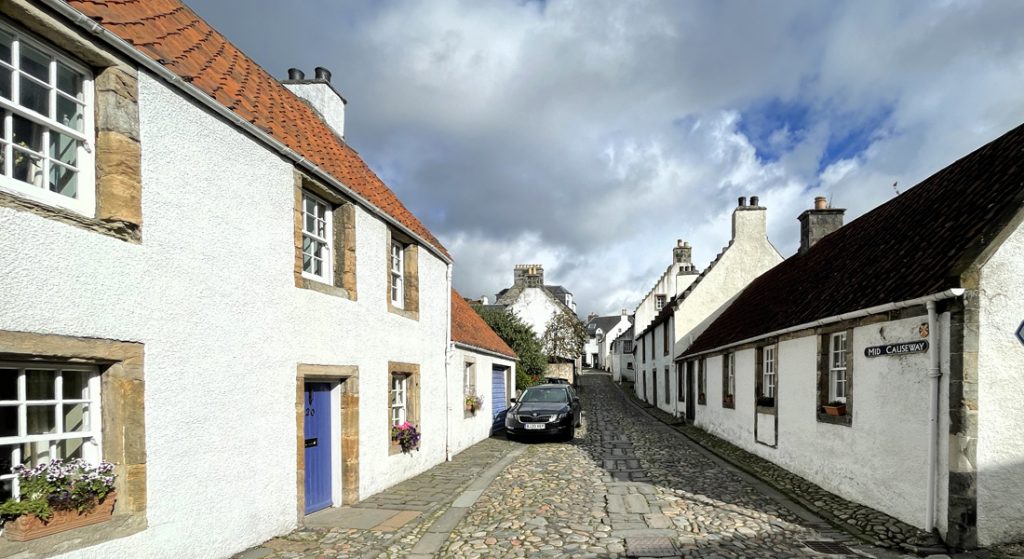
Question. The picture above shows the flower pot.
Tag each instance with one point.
(835, 410)
(29, 526)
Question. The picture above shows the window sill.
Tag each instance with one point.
(120, 526)
(845, 420)
(122, 230)
(728, 405)
(326, 289)
(411, 315)
(768, 410)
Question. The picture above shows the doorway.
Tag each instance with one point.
(691, 396)
(317, 431)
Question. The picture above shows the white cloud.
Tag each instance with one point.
(588, 136)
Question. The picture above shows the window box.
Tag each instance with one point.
(727, 401)
(835, 409)
(473, 403)
(29, 526)
(766, 402)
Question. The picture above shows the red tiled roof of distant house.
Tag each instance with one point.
(469, 329)
(916, 244)
(173, 35)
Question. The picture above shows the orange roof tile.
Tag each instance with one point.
(468, 328)
(173, 35)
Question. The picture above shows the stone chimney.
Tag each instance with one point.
(484, 300)
(748, 221)
(625, 312)
(682, 258)
(818, 222)
(528, 275)
(591, 316)
(321, 95)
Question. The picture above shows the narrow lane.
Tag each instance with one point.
(630, 486)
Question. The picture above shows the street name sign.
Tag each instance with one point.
(896, 349)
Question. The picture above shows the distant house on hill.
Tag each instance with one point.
(536, 303)
(884, 360)
(601, 332)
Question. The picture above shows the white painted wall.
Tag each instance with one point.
(1000, 452)
(465, 431)
(210, 292)
(881, 460)
(326, 102)
(536, 308)
(604, 347)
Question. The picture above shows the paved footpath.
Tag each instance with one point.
(628, 486)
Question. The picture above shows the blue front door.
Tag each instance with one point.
(318, 446)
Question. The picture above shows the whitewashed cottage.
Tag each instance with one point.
(205, 282)
(601, 332)
(684, 301)
(884, 360)
(621, 357)
(484, 378)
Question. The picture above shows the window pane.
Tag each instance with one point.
(34, 96)
(8, 422)
(6, 488)
(28, 134)
(41, 420)
(5, 46)
(69, 113)
(33, 454)
(35, 62)
(28, 168)
(39, 385)
(69, 81)
(76, 385)
(310, 223)
(5, 83)
(63, 181)
(8, 384)
(70, 448)
(76, 418)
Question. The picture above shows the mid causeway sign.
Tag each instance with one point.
(896, 349)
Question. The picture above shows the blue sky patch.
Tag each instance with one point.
(774, 126)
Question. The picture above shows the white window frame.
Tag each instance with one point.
(659, 302)
(469, 378)
(92, 442)
(315, 238)
(84, 201)
(397, 267)
(769, 372)
(837, 379)
(399, 399)
(730, 375)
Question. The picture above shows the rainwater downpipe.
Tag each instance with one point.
(934, 374)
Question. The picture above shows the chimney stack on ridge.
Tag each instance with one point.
(818, 222)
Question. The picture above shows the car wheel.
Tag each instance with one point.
(571, 433)
(511, 438)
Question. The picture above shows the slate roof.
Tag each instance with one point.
(605, 323)
(627, 334)
(914, 245)
(173, 35)
(469, 329)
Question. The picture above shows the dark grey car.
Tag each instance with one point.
(548, 409)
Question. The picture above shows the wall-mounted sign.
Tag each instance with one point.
(896, 349)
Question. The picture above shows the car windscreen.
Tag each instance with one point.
(550, 395)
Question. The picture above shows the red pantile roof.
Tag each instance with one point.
(173, 35)
(917, 244)
(468, 328)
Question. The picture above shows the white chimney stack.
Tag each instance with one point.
(321, 95)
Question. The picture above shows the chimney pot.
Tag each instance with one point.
(322, 74)
(742, 201)
(296, 74)
(754, 200)
(820, 203)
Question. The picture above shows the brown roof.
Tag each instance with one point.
(173, 35)
(916, 244)
(469, 329)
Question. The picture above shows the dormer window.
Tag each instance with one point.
(46, 105)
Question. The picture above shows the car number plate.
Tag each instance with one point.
(533, 425)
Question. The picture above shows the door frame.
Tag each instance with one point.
(344, 382)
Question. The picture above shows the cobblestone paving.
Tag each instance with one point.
(629, 486)
(868, 524)
(429, 492)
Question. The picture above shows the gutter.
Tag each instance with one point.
(947, 294)
(487, 352)
(83, 21)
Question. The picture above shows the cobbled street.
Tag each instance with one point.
(627, 486)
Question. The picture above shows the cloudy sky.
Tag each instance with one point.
(588, 135)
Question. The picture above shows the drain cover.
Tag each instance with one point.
(650, 546)
(831, 548)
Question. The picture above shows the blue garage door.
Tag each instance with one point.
(497, 390)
